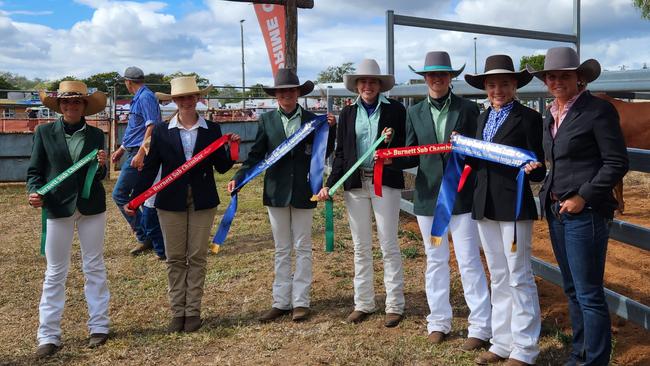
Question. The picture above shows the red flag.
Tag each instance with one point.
(271, 19)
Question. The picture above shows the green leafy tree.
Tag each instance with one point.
(103, 80)
(644, 7)
(535, 61)
(19, 81)
(5, 85)
(334, 74)
(157, 83)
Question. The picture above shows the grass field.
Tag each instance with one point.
(237, 291)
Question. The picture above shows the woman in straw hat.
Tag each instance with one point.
(516, 320)
(186, 208)
(360, 124)
(584, 143)
(56, 147)
(287, 194)
(432, 121)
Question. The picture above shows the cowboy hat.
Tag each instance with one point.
(287, 79)
(368, 68)
(181, 86)
(566, 58)
(498, 65)
(95, 102)
(437, 61)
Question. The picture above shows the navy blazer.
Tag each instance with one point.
(495, 193)
(345, 154)
(166, 150)
(588, 155)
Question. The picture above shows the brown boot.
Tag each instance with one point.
(192, 324)
(487, 357)
(141, 248)
(273, 314)
(513, 362)
(300, 314)
(472, 343)
(436, 337)
(357, 316)
(176, 324)
(392, 320)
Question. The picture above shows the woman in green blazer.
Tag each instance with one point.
(57, 146)
(287, 194)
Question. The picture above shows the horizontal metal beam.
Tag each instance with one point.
(639, 160)
(630, 234)
(482, 29)
(618, 304)
(305, 4)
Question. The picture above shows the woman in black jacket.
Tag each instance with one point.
(584, 143)
(516, 320)
(186, 208)
(360, 124)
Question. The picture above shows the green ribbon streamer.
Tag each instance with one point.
(329, 204)
(85, 192)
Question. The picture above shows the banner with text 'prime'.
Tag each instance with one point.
(271, 19)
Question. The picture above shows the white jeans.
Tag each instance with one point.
(58, 248)
(516, 320)
(464, 234)
(291, 229)
(361, 203)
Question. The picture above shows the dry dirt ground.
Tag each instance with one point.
(238, 290)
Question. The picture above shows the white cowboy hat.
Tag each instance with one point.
(95, 102)
(181, 86)
(368, 68)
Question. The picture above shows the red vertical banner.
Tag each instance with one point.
(271, 19)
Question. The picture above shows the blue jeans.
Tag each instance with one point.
(122, 193)
(152, 231)
(580, 246)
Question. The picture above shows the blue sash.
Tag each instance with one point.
(317, 165)
(464, 146)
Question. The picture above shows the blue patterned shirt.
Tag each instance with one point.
(495, 120)
(143, 112)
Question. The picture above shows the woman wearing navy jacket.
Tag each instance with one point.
(584, 143)
(516, 319)
(186, 208)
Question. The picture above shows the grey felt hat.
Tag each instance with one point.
(287, 79)
(566, 58)
(438, 61)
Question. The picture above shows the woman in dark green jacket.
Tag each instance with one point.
(57, 146)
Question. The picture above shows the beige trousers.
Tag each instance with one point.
(186, 235)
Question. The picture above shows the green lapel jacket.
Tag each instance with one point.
(50, 157)
(287, 181)
(421, 131)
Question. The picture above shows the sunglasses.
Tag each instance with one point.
(71, 101)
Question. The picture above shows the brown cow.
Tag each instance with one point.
(635, 123)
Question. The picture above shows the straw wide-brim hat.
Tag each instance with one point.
(95, 102)
(566, 58)
(368, 68)
(288, 79)
(438, 61)
(182, 86)
(498, 65)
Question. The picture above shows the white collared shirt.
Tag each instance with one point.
(188, 136)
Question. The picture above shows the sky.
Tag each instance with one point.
(50, 39)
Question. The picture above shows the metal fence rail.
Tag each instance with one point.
(622, 231)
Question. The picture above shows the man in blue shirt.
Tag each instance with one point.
(144, 114)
